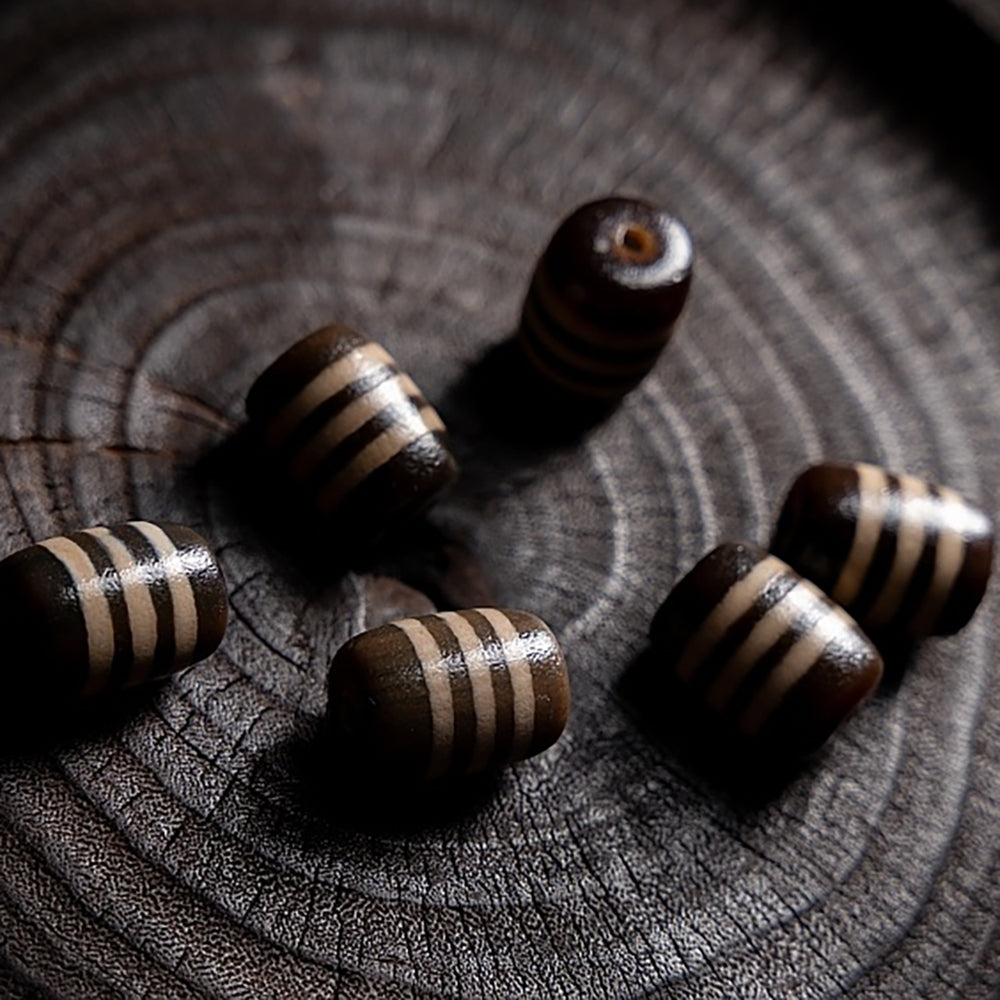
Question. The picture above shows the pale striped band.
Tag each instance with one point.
(181, 591)
(138, 602)
(917, 509)
(356, 364)
(552, 343)
(397, 390)
(477, 665)
(800, 601)
(873, 484)
(521, 680)
(735, 603)
(408, 428)
(94, 607)
(135, 578)
(439, 696)
(795, 664)
(949, 556)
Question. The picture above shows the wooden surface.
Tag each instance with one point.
(188, 187)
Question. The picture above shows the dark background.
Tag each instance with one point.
(188, 187)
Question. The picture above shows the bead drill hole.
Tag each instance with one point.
(635, 244)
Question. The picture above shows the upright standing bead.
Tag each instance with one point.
(897, 552)
(449, 693)
(605, 296)
(352, 430)
(103, 609)
(765, 648)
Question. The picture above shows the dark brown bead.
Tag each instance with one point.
(765, 648)
(450, 693)
(351, 430)
(900, 554)
(103, 609)
(605, 296)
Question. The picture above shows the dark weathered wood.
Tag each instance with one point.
(188, 187)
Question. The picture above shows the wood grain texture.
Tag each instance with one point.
(186, 188)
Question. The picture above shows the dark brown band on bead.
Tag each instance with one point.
(112, 590)
(464, 717)
(286, 376)
(881, 562)
(503, 692)
(840, 681)
(46, 654)
(970, 584)
(549, 678)
(729, 641)
(304, 432)
(208, 585)
(159, 591)
(692, 599)
(401, 487)
(816, 526)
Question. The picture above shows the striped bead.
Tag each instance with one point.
(765, 648)
(900, 554)
(351, 430)
(450, 693)
(605, 296)
(103, 609)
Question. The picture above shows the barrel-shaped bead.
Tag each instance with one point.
(351, 429)
(605, 295)
(765, 648)
(900, 554)
(95, 611)
(451, 693)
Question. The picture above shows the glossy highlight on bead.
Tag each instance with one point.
(764, 648)
(107, 608)
(450, 693)
(351, 430)
(605, 296)
(899, 553)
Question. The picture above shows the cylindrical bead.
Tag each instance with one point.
(605, 295)
(450, 693)
(351, 429)
(900, 554)
(103, 609)
(765, 648)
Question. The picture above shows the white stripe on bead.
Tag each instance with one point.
(521, 680)
(185, 608)
(394, 391)
(484, 705)
(734, 604)
(439, 696)
(795, 664)
(873, 483)
(138, 602)
(409, 428)
(332, 379)
(94, 606)
(949, 555)
(801, 600)
(917, 509)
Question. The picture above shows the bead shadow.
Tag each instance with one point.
(696, 740)
(501, 401)
(305, 549)
(43, 725)
(330, 794)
